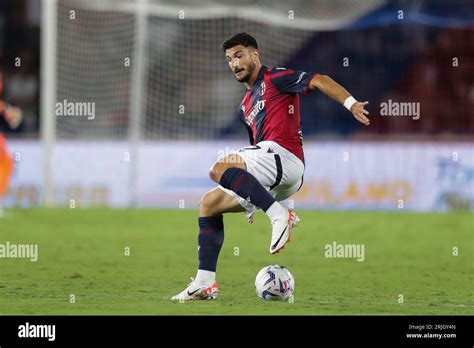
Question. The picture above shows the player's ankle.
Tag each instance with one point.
(276, 212)
(205, 278)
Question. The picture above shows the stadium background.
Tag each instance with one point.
(166, 109)
(166, 102)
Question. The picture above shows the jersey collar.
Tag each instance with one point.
(261, 74)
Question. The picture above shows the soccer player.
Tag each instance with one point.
(13, 117)
(269, 171)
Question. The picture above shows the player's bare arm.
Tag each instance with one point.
(335, 91)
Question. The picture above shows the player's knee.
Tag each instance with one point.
(231, 161)
(215, 173)
(207, 204)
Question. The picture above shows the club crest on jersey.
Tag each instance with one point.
(255, 111)
(262, 89)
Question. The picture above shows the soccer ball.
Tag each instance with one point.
(274, 282)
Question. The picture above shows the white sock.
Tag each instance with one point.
(205, 277)
(276, 211)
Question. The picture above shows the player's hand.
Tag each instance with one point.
(249, 218)
(359, 112)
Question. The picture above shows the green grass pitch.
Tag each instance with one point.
(82, 253)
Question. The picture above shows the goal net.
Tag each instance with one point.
(155, 69)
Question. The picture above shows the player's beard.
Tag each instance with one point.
(247, 76)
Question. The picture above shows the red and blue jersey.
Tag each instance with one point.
(270, 109)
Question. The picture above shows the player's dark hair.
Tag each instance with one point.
(243, 39)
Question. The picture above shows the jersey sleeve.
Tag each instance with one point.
(291, 81)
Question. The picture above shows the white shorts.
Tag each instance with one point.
(276, 168)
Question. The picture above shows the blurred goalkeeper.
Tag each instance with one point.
(13, 117)
(269, 171)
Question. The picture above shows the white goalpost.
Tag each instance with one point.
(48, 96)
